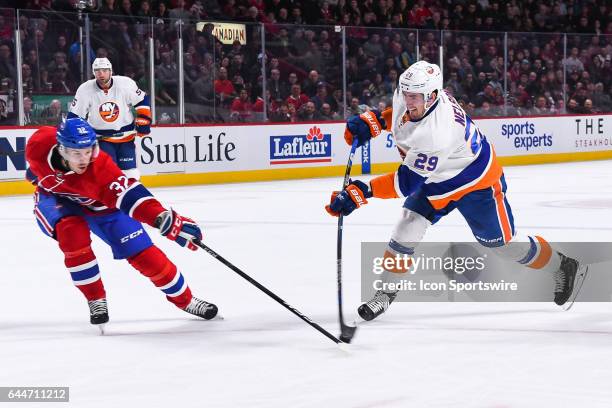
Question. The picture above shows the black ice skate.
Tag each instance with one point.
(200, 308)
(564, 279)
(98, 313)
(376, 306)
(568, 281)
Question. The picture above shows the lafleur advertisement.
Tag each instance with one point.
(313, 147)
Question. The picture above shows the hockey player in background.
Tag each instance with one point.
(106, 103)
(81, 190)
(447, 164)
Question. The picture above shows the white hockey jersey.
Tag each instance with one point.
(109, 111)
(444, 153)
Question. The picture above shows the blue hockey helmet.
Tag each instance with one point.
(76, 133)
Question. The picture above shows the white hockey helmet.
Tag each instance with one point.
(422, 77)
(101, 63)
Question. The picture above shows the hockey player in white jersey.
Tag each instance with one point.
(106, 103)
(447, 164)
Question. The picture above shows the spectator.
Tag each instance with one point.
(242, 108)
(58, 63)
(203, 89)
(308, 113)
(224, 89)
(282, 114)
(238, 83)
(6, 117)
(31, 59)
(6, 29)
(162, 12)
(326, 113)
(145, 9)
(278, 88)
(297, 98)
(368, 71)
(572, 62)
(573, 107)
(28, 117)
(373, 47)
(540, 107)
(486, 95)
(454, 84)
(167, 73)
(126, 10)
(292, 112)
(7, 63)
(601, 100)
(28, 81)
(310, 84)
(52, 114)
(179, 12)
(109, 7)
(355, 108)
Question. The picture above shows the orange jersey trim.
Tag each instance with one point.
(544, 255)
(384, 186)
(144, 110)
(502, 214)
(491, 177)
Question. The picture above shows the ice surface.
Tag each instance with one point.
(417, 355)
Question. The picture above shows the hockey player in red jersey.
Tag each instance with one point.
(81, 190)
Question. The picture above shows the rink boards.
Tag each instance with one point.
(182, 155)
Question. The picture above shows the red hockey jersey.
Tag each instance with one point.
(101, 188)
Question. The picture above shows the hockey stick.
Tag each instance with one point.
(266, 291)
(346, 332)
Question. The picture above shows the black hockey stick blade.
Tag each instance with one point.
(347, 333)
(266, 291)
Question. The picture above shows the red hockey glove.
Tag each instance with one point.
(180, 229)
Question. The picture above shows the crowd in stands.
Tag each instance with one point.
(491, 73)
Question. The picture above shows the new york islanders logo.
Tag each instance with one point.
(109, 111)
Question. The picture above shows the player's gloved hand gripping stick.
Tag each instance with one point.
(179, 229)
(362, 128)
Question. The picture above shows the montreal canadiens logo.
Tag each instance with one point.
(109, 111)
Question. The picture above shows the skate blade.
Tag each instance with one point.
(579, 281)
(102, 328)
